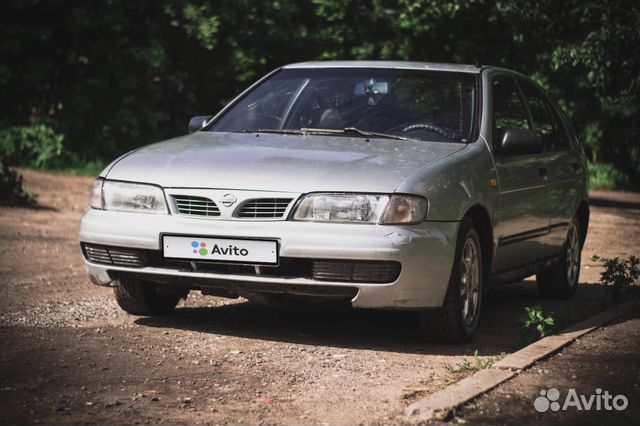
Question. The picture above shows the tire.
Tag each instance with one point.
(140, 297)
(457, 320)
(560, 282)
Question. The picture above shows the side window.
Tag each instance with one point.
(508, 111)
(545, 119)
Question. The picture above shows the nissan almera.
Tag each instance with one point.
(392, 185)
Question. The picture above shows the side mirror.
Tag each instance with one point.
(196, 123)
(520, 142)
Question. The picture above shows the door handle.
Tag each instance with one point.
(544, 173)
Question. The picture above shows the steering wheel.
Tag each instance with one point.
(439, 130)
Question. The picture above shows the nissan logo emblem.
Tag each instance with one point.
(228, 200)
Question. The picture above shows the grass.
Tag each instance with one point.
(90, 168)
(475, 364)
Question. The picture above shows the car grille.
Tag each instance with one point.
(114, 255)
(265, 208)
(196, 206)
(359, 271)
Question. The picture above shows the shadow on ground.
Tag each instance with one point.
(609, 203)
(337, 325)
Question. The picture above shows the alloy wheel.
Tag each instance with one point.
(573, 254)
(469, 281)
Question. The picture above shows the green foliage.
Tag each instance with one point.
(606, 176)
(11, 187)
(619, 276)
(466, 365)
(112, 76)
(40, 147)
(34, 146)
(537, 323)
(31, 146)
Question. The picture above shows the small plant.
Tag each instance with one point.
(619, 276)
(465, 365)
(536, 323)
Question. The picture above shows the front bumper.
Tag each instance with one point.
(425, 251)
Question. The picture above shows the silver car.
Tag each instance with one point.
(392, 185)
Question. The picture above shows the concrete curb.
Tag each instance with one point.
(441, 404)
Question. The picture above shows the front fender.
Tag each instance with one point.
(456, 183)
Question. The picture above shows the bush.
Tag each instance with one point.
(36, 146)
(11, 188)
(606, 176)
(619, 275)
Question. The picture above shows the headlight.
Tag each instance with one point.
(361, 208)
(127, 197)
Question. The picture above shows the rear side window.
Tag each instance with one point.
(508, 111)
(545, 119)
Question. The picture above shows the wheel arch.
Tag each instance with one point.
(582, 214)
(484, 225)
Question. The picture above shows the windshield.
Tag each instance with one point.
(423, 105)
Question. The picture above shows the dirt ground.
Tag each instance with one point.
(70, 356)
(606, 359)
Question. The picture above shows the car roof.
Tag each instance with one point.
(473, 69)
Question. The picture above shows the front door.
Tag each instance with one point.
(522, 221)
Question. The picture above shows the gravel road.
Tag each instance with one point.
(70, 356)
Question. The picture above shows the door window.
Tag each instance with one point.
(545, 119)
(508, 111)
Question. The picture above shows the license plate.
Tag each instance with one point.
(221, 249)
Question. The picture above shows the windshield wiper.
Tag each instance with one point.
(276, 131)
(318, 131)
(354, 131)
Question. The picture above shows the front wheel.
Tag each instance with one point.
(456, 321)
(561, 280)
(140, 297)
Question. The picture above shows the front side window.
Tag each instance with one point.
(422, 105)
(508, 111)
(545, 120)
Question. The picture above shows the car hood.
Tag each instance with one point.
(287, 163)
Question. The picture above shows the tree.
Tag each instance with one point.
(114, 75)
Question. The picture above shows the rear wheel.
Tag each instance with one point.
(456, 321)
(139, 297)
(561, 280)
